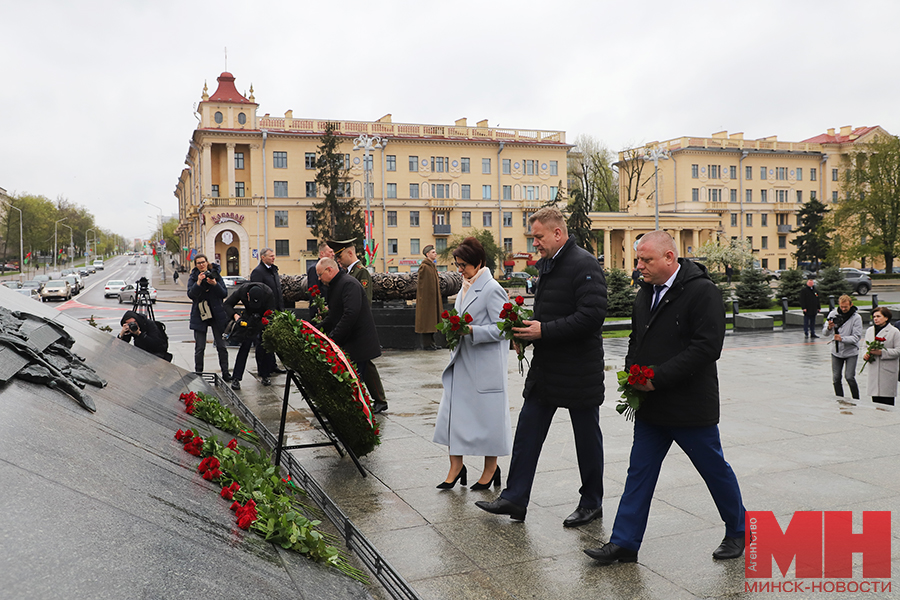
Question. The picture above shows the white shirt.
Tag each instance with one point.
(668, 284)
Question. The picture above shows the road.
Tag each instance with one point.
(107, 311)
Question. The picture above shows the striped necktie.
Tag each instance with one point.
(657, 290)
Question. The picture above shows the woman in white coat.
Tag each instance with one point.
(885, 364)
(473, 418)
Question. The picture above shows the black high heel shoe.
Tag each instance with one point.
(446, 485)
(495, 480)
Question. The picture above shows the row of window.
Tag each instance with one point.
(780, 173)
(716, 195)
(764, 242)
(438, 190)
(439, 218)
(763, 219)
(782, 263)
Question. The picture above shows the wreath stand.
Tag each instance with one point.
(333, 438)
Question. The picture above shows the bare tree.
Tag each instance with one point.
(631, 170)
(592, 169)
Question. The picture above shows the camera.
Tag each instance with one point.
(133, 327)
(143, 284)
(837, 319)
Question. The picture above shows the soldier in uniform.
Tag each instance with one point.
(345, 255)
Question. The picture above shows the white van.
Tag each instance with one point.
(98, 264)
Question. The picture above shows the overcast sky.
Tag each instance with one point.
(96, 97)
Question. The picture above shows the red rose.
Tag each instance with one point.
(265, 321)
(641, 380)
(268, 313)
(648, 372)
(502, 314)
(454, 319)
(208, 475)
(189, 409)
(336, 369)
(454, 326)
(235, 505)
(468, 318)
(507, 306)
(227, 493)
(520, 300)
(234, 486)
(232, 444)
(445, 315)
(245, 521)
(634, 370)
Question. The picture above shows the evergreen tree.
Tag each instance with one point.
(812, 242)
(789, 287)
(579, 220)
(338, 214)
(831, 282)
(753, 291)
(619, 293)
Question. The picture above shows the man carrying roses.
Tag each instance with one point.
(678, 326)
(566, 369)
(259, 302)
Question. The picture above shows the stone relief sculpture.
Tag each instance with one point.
(387, 286)
(36, 349)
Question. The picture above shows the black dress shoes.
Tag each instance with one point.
(503, 507)
(582, 516)
(610, 553)
(379, 407)
(236, 384)
(729, 548)
(226, 376)
(266, 381)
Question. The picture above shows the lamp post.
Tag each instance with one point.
(55, 250)
(656, 154)
(21, 245)
(71, 245)
(162, 258)
(366, 143)
(86, 253)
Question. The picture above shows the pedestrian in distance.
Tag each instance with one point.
(473, 417)
(811, 305)
(207, 292)
(678, 328)
(883, 363)
(175, 277)
(846, 325)
(566, 369)
(428, 298)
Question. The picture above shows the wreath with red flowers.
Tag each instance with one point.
(328, 377)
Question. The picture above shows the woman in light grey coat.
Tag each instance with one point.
(473, 418)
(884, 364)
(846, 325)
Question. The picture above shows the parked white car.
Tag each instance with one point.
(113, 287)
(128, 292)
(98, 264)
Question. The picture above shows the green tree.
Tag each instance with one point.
(753, 291)
(578, 221)
(591, 168)
(831, 282)
(869, 214)
(620, 295)
(338, 214)
(789, 287)
(812, 241)
(173, 242)
(494, 253)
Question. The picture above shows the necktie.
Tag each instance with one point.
(657, 290)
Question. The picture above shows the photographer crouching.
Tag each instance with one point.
(147, 335)
(246, 326)
(846, 325)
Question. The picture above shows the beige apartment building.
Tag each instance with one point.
(733, 188)
(249, 183)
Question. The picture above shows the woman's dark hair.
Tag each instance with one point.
(203, 256)
(885, 312)
(471, 251)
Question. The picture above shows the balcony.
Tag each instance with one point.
(441, 203)
(784, 228)
(717, 207)
(211, 201)
(441, 230)
(784, 207)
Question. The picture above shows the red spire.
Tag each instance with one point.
(226, 92)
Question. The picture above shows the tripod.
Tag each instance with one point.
(142, 303)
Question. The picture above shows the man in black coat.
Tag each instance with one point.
(266, 272)
(312, 278)
(809, 302)
(566, 369)
(349, 322)
(678, 328)
(145, 333)
(258, 300)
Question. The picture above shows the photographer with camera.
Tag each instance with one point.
(247, 326)
(846, 325)
(206, 289)
(147, 335)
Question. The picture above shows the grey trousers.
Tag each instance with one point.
(848, 364)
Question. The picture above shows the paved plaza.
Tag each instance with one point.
(792, 444)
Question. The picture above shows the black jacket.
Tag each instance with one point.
(270, 277)
(681, 340)
(809, 300)
(214, 294)
(570, 302)
(257, 298)
(349, 322)
(151, 339)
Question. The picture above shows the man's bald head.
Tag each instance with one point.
(657, 257)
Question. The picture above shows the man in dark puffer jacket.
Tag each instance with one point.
(566, 369)
(678, 328)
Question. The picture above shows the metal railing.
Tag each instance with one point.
(394, 583)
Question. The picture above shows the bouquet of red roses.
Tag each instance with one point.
(316, 300)
(631, 398)
(876, 344)
(454, 326)
(515, 316)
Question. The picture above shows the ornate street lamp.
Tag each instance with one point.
(366, 143)
(656, 154)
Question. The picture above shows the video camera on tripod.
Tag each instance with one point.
(142, 303)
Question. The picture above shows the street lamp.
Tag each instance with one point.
(656, 154)
(71, 251)
(55, 250)
(21, 245)
(162, 258)
(366, 143)
(86, 253)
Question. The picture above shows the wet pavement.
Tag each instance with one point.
(792, 444)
